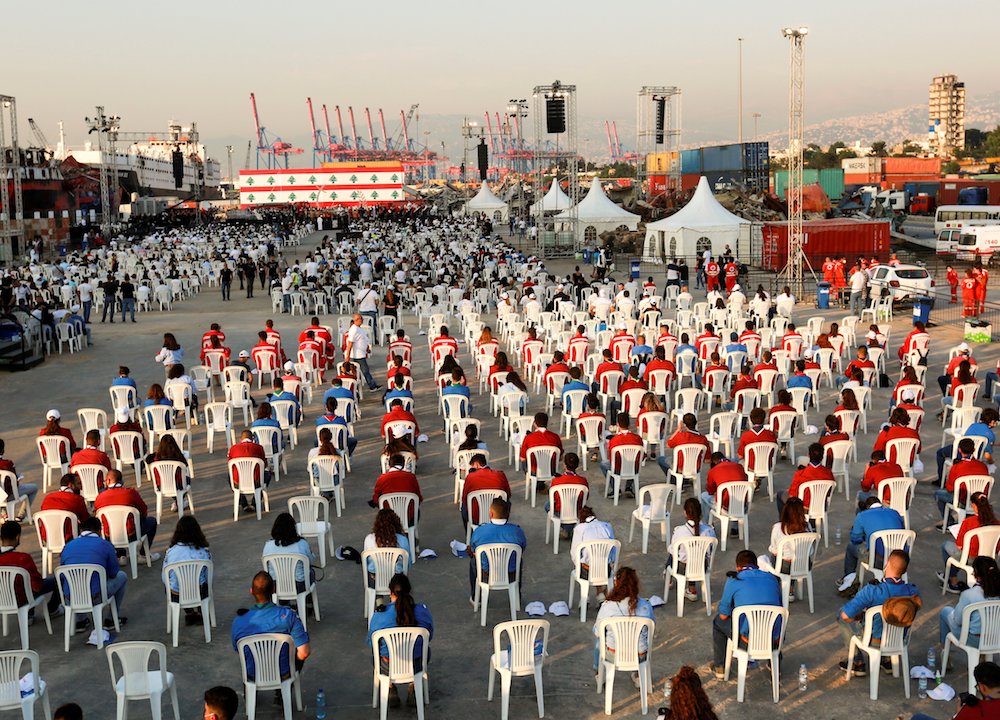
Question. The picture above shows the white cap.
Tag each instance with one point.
(122, 414)
(909, 396)
(244, 353)
(964, 347)
(53, 414)
(289, 366)
(622, 326)
(75, 308)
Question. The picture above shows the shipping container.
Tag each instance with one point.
(831, 180)
(825, 237)
(756, 158)
(691, 161)
(690, 181)
(657, 185)
(913, 166)
(861, 166)
(922, 188)
(721, 157)
(899, 182)
(862, 178)
(948, 194)
(661, 162)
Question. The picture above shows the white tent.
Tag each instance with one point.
(555, 201)
(596, 214)
(702, 224)
(488, 204)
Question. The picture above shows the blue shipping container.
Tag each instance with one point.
(690, 161)
(722, 157)
(756, 157)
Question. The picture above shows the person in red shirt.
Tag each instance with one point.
(445, 341)
(981, 516)
(877, 470)
(27, 491)
(248, 447)
(965, 464)
(757, 432)
(622, 436)
(539, 436)
(659, 362)
(557, 365)
(917, 337)
(704, 341)
(91, 454)
(712, 273)
(749, 333)
(839, 277)
(687, 434)
(481, 477)
(860, 363)
(633, 381)
(665, 336)
(67, 498)
(982, 279)
(310, 343)
(829, 270)
(215, 331)
(607, 365)
(814, 470)
(970, 294)
(398, 368)
(396, 412)
(10, 556)
(216, 345)
(116, 494)
(952, 278)
(569, 476)
(321, 335)
(396, 480)
(52, 427)
(831, 433)
(530, 346)
(899, 422)
(263, 349)
(732, 275)
(722, 471)
(791, 341)
(400, 346)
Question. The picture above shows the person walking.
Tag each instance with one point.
(359, 348)
(226, 280)
(127, 290)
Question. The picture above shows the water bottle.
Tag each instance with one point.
(667, 689)
(837, 535)
(320, 704)
(922, 688)
(803, 678)
(937, 678)
(931, 658)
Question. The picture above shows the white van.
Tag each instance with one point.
(978, 241)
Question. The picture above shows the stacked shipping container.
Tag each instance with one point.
(831, 180)
(825, 237)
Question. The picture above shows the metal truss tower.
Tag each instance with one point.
(11, 219)
(106, 127)
(559, 151)
(654, 133)
(793, 272)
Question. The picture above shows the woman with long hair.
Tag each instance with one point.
(285, 538)
(390, 303)
(156, 396)
(402, 611)
(170, 354)
(387, 532)
(485, 337)
(688, 700)
(52, 427)
(848, 401)
(472, 441)
(187, 543)
(692, 527)
(985, 586)
(177, 376)
(623, 601)
(448, 365)
(793, 521)
(963, 376)
(982, 515)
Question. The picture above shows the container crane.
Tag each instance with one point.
(43, 142)
(268, 148)
(372, 144)
(321, 148)
(385, 137)
(354, 129)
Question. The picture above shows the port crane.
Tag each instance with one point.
(270, 149)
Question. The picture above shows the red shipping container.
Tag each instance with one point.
(826, 237)
(657, 185)
(862, 179)
(913, 166)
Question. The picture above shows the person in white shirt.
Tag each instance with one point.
(692, 527)
(590, 528)
(684, 298)
(86, 292)
(358, 348)
(793, 521)
(859, 280)
(367, 300)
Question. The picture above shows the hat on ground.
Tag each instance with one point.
(244, 353)
(53, 414)
(122, 414)
(346, 552)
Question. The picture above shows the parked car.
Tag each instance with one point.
(902, 281)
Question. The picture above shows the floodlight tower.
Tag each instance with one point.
(792, 274)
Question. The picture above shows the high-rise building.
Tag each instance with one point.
(946, 115)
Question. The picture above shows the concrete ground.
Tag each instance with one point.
(341, 661)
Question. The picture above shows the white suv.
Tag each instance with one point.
(904, 281)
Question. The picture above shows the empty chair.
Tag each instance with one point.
(194, 580)
(628, 633)
(54, 452)
(127, 449)
(17, 598)
(261, 663)
(312, 520)
(11, 684)
(136, 681)
(74, 582)
(219, 419)
(522, 654)
(53, 528)
(651, 508)
(732, 505)
(761, 643)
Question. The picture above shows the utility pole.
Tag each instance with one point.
(739, 98)
(792, 273)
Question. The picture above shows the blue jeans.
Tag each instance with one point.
(116, 588)
(852, 554)
(366, 372)
(942, 497)
(128, 306)
(89, 304)
(991, 377)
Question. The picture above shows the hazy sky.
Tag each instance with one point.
(199, 61)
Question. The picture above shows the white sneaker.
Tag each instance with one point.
(690, 595)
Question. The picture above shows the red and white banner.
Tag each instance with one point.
(323, 187)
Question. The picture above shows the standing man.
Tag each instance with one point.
(367, 300)
(226, 280)
(110, 297)
(86, 292)
(359, 348)
(249, 272)
(712, 273)
(858, 282)
(128, 298)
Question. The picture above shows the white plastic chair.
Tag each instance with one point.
(987, 541)
(386, 561)
(889, 540)
(237, 394)
(127, 446)
(801, 548)
(601, 569)
(241, 474)
(188, 576)
(116, 519)
(157, 418)
(10, 684)
(571, 497)
(163, 476)
(519, 657)
(400, 644)
(312, 515)
(626, 462)
(700, 556)
(136, 681)
(627, 632)
(544, 458)
(989, 637)
(51, 450)
(326, 475)
(760, 645)
(12, 578)
(652, 502)
(53, 524)
(498, 557)
(759, 461)
(76, 579)
(482, 500)
(686, 465)
(283, 567)
(284, 413)
(897, 493)
(404, 504)
(819, 493)
(967, 486)
(266, 650)
(219, 419)
(740, 496)
(589, 432)
(14, 500)
(894, 645)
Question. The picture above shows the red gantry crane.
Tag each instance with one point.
(270, 148)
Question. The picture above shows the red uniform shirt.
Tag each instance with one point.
(724, 472)
(483, 479)
(398, 413)
(396, 481)
(121, 495)
(539, 438)
(764, 434)
(90, 456)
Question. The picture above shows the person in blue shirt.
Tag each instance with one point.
(641, 351)
(266, 617)
(398, 390)
(332, 418)
(497, 530)
(90, 548)
(982, 428)
(265, 418)
(748, 586)
(402, 611)
(800, 379)
(574, 383)
(123, 378)
(734, 346)
(852, 615)
(79, 324)
(873, 518)
(456, 387)
(338, 391)
(280, 394)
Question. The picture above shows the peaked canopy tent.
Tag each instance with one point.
(702, 224)
(554, 201)
(488, 204)
(596, 214)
